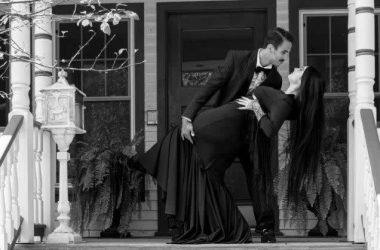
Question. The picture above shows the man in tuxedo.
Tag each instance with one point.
(241, 72)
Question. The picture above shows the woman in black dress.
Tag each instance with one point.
(198, 204)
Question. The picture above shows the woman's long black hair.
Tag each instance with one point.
(306, 133)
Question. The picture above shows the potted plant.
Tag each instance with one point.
(107, 189)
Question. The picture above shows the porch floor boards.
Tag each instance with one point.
(159, 243)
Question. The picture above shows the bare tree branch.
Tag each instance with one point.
(94, 12)
(101, 51)
(55, 66)
(81, 48)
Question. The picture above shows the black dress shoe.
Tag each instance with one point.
(267, 236)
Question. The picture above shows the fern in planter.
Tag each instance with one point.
(107, 188)
(325, 195)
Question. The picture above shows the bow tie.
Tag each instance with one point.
(259, 69)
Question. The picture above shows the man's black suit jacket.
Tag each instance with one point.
(230, 81)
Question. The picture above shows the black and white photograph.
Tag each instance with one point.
(189, 124)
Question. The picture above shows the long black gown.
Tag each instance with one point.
(200, 208)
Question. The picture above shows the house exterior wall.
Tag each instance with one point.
(140, 225)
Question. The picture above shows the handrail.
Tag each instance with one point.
(11, 132)
(373, 145)
(11, 246)
(371, 178)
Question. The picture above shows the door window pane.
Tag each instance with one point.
(211, 44)
(195, 78)
(203, 50)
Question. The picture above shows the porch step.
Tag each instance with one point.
(161, 244)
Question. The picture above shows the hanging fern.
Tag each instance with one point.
(322, 195)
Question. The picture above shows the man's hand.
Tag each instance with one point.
(187, 130)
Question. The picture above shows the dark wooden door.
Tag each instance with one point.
(196, 43)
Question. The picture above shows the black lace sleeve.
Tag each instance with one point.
(277, 106)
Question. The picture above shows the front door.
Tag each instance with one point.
(197, 42)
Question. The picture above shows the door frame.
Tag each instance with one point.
(163, 12)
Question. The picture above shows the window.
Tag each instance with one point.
(108, 93)
(96, 84)
(107, 117)
(324, 46)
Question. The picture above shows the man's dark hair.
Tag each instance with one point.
(276, 36)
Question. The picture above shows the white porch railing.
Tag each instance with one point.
(10, 220)
(10, 183)
(371, 152)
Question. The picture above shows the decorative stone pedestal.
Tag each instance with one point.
(63, 233)
(63, 237)
(63, 114)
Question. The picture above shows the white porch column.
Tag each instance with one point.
(43, 77)
(350, 127)
(20, 86)
(364, 75)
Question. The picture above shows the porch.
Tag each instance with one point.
(28, 158)
(160, 243)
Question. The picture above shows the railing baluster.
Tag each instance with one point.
(8, 197)
(3, 234)
(39, 177)
(14, 184)
(9, 204)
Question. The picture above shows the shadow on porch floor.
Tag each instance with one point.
(158, 243)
